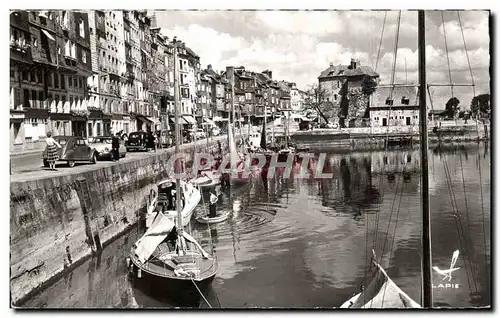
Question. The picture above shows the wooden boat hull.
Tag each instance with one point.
(182, 291)
(217, 219)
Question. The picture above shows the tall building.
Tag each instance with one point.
(19, 101)
(52, 91)
(336, 83)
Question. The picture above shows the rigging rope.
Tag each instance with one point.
(459, 225)
(201, 294)
(381, 38)
(447, 53)
(480, 172)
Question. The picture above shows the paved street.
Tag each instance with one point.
(30, 167)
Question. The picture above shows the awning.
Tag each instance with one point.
(48, 35)
(144, 119)
(218, 118)
(209, 121)
(190, 119)
(182, 121)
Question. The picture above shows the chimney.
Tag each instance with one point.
(354, 63)
(331, 64)
(268, 73)
(229, 73)
(209, 66)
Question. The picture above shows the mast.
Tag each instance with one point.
(426, 225)
(178, 138)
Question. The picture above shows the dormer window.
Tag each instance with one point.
(405, 100)
(341, 72)
(389, 102)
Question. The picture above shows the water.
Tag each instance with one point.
(299, 243)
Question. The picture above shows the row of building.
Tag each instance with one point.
(92, 73)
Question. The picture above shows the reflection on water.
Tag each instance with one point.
(293, 242)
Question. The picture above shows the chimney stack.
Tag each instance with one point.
(354, 63)
(209, 66)
(331, 64)
(268, 73)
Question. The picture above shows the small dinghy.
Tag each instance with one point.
(217, 219)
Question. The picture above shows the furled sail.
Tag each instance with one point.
(153, 237)
(382, 292)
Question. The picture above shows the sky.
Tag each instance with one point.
(298, 45)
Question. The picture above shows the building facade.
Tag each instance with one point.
(50, 63)
(394, 106)
(341, 92)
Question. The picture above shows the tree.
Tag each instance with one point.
(368, 85)
(452, 107)
(316, 101)
(480, 105)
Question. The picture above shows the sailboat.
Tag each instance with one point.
(163, 201)
(208, 178)
(382, 292)
(166, 256)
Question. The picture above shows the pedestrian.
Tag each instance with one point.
(115, 147)
(52, 151)
(213, 205)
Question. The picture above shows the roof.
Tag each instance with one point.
(382, 93)
(346, 71)
(437, 111)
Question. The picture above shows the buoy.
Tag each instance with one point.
(139, 273)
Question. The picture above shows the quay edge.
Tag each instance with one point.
(52, 230)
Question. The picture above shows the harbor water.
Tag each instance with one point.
(307, 243)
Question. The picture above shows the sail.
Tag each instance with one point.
(232, 149)
(382, 292)
(153, 237)
(263, 140)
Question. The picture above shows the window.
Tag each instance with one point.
(25, 75)
(33, 76)
(63, 82)
(73, 50)
(335, 96)
(389, 102)
(41, 98)
(34, 99)
(405, 100)
(84, 57)
(56, 81)
(67, 48)
(70, 81)
(12, 74)
(35, 42)
(75, 82)
(82, 28)
(63, 98)
(70, 99)
(39, 76)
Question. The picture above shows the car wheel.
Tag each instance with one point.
(71, 163)
(93, 160)
(45, 163)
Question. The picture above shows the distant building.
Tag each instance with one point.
(337, 83)
(394, 106)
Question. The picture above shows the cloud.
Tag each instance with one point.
(298, 45)
(209, 44)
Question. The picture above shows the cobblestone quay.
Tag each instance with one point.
(59, 220)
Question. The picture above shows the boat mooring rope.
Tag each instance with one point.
(203, 296)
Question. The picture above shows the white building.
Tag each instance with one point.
(394, 106)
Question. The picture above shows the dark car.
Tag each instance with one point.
(73, 149)
(138, 141)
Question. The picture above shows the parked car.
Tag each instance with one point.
(138, 141)
(73, 149)
(200, 134)
(103, 145)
